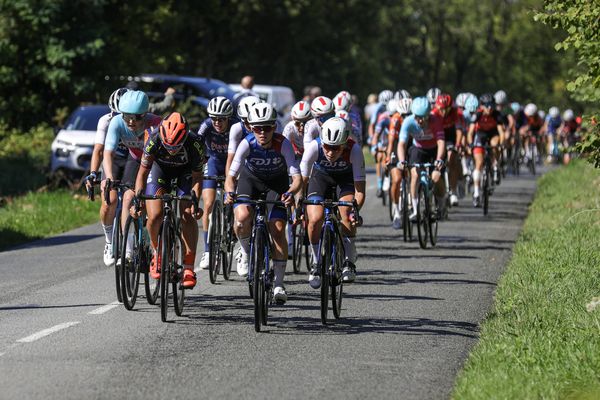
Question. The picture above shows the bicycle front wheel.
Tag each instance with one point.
(422, 216)
(117, 241)
(229, 241)
(130, 269)
(326, 264)
(165, 270)
(336, 281)
(406, 226)
(176, 275)
(214, 242)
(433, 213)
(485, 189)
(258, 268)
(298, 244)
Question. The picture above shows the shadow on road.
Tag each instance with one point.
(37, 306)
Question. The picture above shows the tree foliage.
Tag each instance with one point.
(581, 20)
(56, 53)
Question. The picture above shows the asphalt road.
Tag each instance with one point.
(407, 324)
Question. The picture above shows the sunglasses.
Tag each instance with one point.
(263, 128)
(172, 149)
(421, 119)
(218, 119)
(133, 117)
(487, 105)
(324, 118)
(331, 148)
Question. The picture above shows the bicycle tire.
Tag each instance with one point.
(214, 242)
(117, 238)
(533, 152)
(229, 241)
(297, 244)
(165, 271)
(257, 279)
(485, 189)
(325, 268)
(176, 275)
(307, 248)
(406, 225)
(433, 218)
(390, 205)
(422, 216)
(130, 271)
(151, 285)
(336, 281)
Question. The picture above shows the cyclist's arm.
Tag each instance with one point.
(359, 193)
(470, 133)
(143, 172)
(96, 157)
(197, 178)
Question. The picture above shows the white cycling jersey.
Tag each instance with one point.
(102, 128)
(312, 130)
(290, 132)
(263, 157)
(236, 134)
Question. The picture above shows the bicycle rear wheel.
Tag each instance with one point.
(165, 270)
(117, 239)
(214, 242)
(433, 217)
(229, 241)
(151, 285)
(258, 289)
(176, 275)
(130, 269)
(326, 261)
(298, 244)
(406, 226)
(422, 216)
(485, 189)
(336, 281)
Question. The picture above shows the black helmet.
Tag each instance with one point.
(487, 99)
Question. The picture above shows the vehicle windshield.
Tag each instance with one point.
(85, 118)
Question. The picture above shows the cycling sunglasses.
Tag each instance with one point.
(218, 119)
(133, 117)
(324, 118)
(172, 149)
(332, 148)
(263, 128)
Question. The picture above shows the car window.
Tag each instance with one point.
(85, 118)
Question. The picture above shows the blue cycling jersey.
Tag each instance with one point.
(216, 143)
(553, 124)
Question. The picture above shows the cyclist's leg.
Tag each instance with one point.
(156, 184)
(107, 212)
(478, 154)
(348, 231)
(213, 167)
(395, 189)
(129, 176)
(248, 188)
(189, 228)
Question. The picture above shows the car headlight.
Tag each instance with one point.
(62, 152)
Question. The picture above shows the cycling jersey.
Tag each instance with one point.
(380, 108)
(395, 125)
(423, 138)
(355, 127)
(216, 143)
(351, 160)
(535, 124)
(312, 130)
(487, 123)
(451, 122)
(291, 133)
(134, 141)
(237, 132)
(553, 124)
(262, 162)
(191, 156)
(381, 129)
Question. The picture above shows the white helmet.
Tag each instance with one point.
(220, 107)
(342, 101)
(245, 105)
(343, 114)
(404, 106)
(568, 115)
(392, 106)
(500, 97)
(385, 96)
(301, 111)
(530, 109)
(402, 94)
(113, 100)
(554, 112)
(262, 114)
(335, 131)
(542, 114)
(461, 99)
(432, 94)
(321, 106)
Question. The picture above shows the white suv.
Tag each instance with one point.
(72, 148)
(281, 97)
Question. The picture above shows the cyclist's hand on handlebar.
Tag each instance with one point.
(197, 212)
(90, 179)
(288, 199)
(229, 197)
(355, 220)
(439, 164)
(403, 165)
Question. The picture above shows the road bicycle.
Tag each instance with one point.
(407, 232)
(221, 239)
(260, 274)
(332, 255)
(300, 243)
(171, 252)
(427, 206)
(487, 183)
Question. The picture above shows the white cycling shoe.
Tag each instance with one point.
(314, 277)
(279, 295)
(453, 200)
(205, 260)
(242, 265)
(108, 255)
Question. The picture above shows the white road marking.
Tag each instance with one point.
(105, 308)
(46, 332)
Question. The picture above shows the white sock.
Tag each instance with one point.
(107, 233)
(245, 245)
(415, 204)
(279, 269)
(315, 253)
(349, 248)
(396, 209)
(129, 247)
(476, 181)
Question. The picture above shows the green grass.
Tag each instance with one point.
(38, 215)
(540, 341)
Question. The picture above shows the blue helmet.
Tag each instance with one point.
(471, 104)
(515, 106)
(134, 102)
(420, 107)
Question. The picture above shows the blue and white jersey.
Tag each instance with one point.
(216, 143)
(265, 163)
(237, 132)
(356, 127)
(118, 132)
(350, 160)
(553, 124)
(378, 110)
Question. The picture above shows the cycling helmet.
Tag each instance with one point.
(334, 132)
(568, 115)
(342, 101)
(173, 131)
(471, 103)
(245, 105)
(500, 97)
(385, 96)
(542, 114)
(301, 111)
(461, 98)
(554, 112)
(486, 100)
(220, 107)
(420, 107)
(530, 109)
(515, 106)
(432, 95)
(402, 94)
(343, 114)
(321, 106)
(404, 106)
(134, 102)
(392, 106)
(113, 100)
(262, 114)
(444, 100)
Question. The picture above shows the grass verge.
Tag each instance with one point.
(540, 340)
(38, 215)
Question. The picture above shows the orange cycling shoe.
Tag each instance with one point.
(154, 269)
(189, 278)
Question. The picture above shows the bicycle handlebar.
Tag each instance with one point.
(331, 203)
(218, 178)
(114, 185)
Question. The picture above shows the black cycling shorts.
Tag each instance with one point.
(159, 180)
(418, 155)
(321, 185)
(252, 187)
(130, 171)
(118, 166)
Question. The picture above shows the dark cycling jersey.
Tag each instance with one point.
(192, 156)
(216, 143)
(487, 123)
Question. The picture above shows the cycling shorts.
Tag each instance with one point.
(450, 137)
(251, 187)
(160, 179)
(130, 171)
(321, 185)
(419, 155)
(214, 167)
(118, 165)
